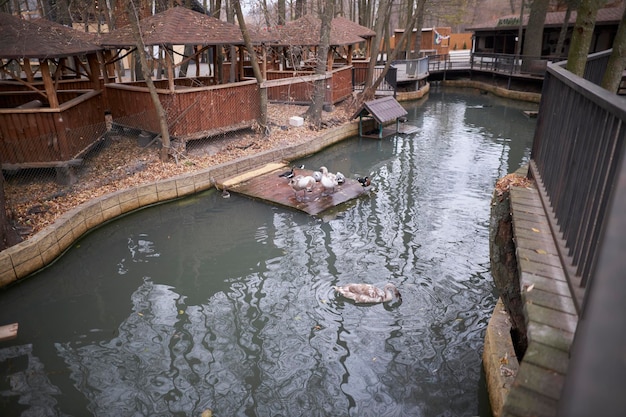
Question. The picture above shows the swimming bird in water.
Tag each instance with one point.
(303, 183)
(290, 173)
(329, 180)
(225, 193)
(369, 294)
(365, 181)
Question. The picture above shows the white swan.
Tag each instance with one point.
(329, 180)
(303, 183)
(368, 294)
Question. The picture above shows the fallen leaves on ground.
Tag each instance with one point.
(35, 200)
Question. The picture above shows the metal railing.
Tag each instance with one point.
(577, 149)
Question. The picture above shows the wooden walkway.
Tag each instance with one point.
(548, 308)
(266, 184)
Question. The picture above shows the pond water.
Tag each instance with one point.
(227, 304)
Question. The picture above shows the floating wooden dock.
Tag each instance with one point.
(265, 184)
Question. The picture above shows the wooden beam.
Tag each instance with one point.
(8, 332)
(51, 93)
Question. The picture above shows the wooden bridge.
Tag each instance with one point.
(570, 240)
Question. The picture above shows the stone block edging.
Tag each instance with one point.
(46, 246)
(498, 91)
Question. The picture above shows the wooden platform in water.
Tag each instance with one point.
(265, 184)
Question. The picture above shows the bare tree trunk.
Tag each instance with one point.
(563, 33)
(281, 12)
(369, 92)
(617, 61)
(581, 38)
(133, 18)
(255, 66)
(383, 10)
(533, 38)
(314, 113)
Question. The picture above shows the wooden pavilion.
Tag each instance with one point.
(51, 98)
(292, 69)
(198, 106)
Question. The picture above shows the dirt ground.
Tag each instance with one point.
(35, 199)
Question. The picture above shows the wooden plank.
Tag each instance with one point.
(557, 302)
(555, 286)
(547, 357)
(8, 331)
(548, 335)
(551, 317)
(540, 380)
(522, 402)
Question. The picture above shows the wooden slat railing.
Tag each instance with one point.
(579, 141)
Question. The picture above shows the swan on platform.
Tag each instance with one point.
(304, 183)
(317, 175)
(340, 177)
(369, 294)
(329, 180)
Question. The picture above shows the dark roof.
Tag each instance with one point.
(383, 109)
(177, 26)
(28, 39)
(305, 31)
(609, 15)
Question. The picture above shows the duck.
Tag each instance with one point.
(329, 180)
(225, 193)
(290, 173)
(369, 294)
(304, 183)
(365, 181)
(340, 178)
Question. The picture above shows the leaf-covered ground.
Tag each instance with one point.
(35, 199)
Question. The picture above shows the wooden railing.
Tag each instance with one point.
(580, 157)
(579, 141)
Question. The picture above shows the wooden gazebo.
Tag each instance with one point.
(51, 103)
(299, 40)
(198, 106)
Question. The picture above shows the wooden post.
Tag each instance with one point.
(28, 70)
(94, 69)
(169, 62)
(48, 84)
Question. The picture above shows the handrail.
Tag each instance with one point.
(579, 139)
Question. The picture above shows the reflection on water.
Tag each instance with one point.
(227, 304)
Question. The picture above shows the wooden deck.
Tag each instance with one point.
(265, 184)
(549, 309)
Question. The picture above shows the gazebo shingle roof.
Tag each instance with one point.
(177, 26)
(305, 31)
(28, 39)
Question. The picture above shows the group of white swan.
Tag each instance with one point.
(306, 183)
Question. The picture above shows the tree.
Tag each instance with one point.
(533, 38)
(581, 37)
(617, 61)
(314, 113)
(133, 18)
(370, 89)
(255, 66)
